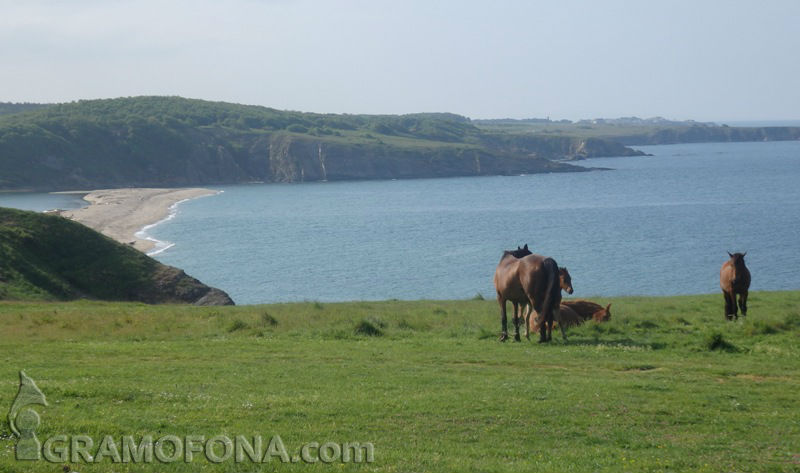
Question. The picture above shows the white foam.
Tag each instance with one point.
(161, 246)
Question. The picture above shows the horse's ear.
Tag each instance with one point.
(608, 307)
(729, 254)
(525, 247)
(744, 254)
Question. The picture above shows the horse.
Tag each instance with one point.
(530, 279)
(565, 282)
(567, 317)
(514, 292)
(734, 278)
(589, 310)
(575, 313)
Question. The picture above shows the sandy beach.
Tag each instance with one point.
(121, 213)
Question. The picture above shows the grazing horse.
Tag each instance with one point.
(734, 278)
(531, 279)
(565, 282)
(514, 292)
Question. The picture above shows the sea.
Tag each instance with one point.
(646, 225)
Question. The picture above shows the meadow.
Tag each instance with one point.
(666, 385)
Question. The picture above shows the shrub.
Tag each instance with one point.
(237, 324)
(369, 328)
(267, 320)
(716, 341)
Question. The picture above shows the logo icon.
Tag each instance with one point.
(24, 421)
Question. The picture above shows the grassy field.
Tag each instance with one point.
(666, 385)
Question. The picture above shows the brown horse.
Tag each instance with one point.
(531, 279)
(576, 312)
(734, 278)
(565, 282)
(567, 317)
(515, 294)
(589, 310)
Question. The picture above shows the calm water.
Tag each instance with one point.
(655, 225)
(41, 201)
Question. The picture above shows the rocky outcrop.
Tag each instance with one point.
(174, 285)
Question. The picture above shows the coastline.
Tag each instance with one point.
(126, 214)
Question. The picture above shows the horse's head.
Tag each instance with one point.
(520, 252)
(565, 279)
(602, 315)
(737, 262)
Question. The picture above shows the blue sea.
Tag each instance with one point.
(654, 225)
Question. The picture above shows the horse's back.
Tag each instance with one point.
(586, 309)
(506, 278)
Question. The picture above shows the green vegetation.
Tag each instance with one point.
(47, 257)
(169, 141)
(639, 132)
(666, 385)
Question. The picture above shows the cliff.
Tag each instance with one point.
(171, 141)
(709, 134)
(47, 257)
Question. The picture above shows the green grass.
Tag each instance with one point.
(666, 385)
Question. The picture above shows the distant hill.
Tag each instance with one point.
(631, 131)
(173, 141)
(47, 257)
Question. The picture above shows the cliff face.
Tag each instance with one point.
(293, 159)
(710, 134)
(48, 257)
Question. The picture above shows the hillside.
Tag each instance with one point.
(172, 141)
(47, 257)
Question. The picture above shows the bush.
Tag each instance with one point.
(237, 324)
(369, 328)
(268, 320)
(716, 341)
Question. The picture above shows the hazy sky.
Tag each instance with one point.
(705, 60)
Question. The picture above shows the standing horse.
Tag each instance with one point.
(513, 292)
(734, 278)
(532, 279)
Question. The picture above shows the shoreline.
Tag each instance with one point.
(125, 215)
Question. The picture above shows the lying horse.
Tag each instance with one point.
(531, 279)
(514, 292)
(589, 310)
(734, 278)
(575, 313)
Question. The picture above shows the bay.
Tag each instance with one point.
(655, 225)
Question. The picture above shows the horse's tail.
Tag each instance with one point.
(553, 290)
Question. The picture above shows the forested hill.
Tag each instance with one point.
(173, 141)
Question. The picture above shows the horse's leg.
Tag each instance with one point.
(743, 302)
(728, 310)
(517, 315)
(560, 323)
(503, 318)
(527, 321)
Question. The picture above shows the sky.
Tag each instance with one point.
(705, 60)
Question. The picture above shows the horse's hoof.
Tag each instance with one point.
(503, 337)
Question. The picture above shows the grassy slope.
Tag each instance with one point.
(47, 257)
(435, 392)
